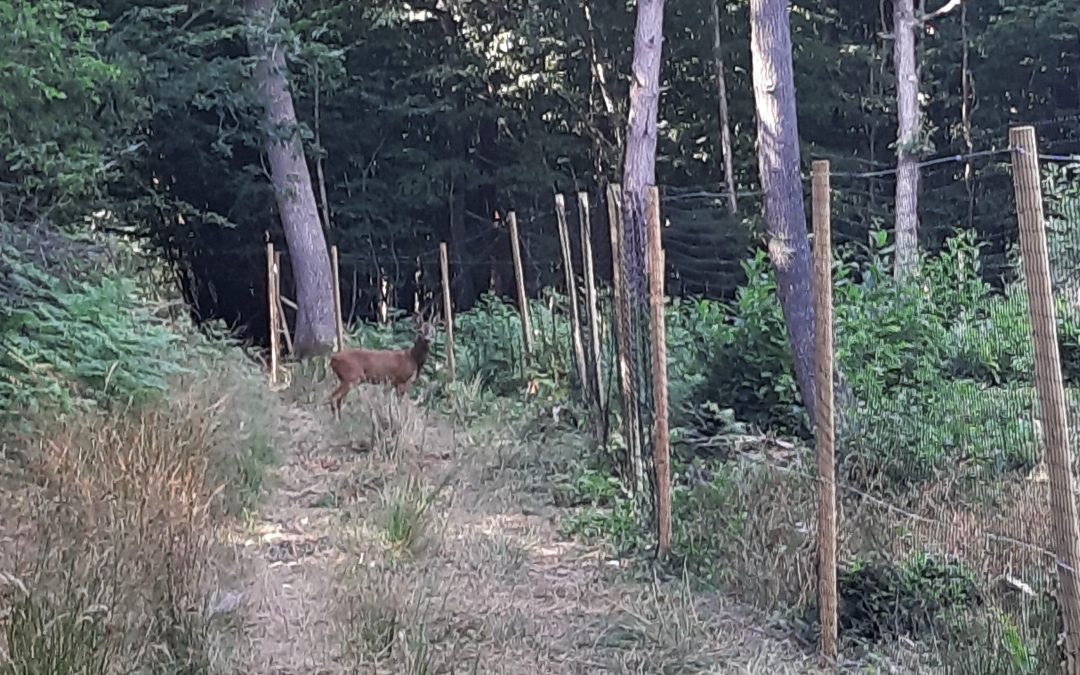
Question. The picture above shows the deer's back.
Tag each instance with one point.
(372, 365)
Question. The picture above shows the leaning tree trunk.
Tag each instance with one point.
(907, 110)
(722, 105)
(639, 172)
(315, 322)
(778, 161)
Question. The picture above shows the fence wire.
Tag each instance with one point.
(945, 535)
(945, 531)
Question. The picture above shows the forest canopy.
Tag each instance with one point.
(430, 122)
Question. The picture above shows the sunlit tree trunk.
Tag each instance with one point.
(315, 322)
(722, 105)
(639, 163)
(639, 172)
(907, 110)
(778, 162)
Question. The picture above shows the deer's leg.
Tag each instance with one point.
(337, 397)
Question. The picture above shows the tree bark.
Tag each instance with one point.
(315, 321)
(965, 114)
(778, 162)
(639, 164)
(722, 105)
(907, 111)
(639, 172)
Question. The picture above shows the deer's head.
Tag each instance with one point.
(425, 325)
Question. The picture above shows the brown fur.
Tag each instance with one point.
(397, 367)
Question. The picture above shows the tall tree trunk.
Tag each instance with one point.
(639, 165)
(639, 172)
(315, 322)
(722, 105)
(907, 110)
(779, 161)
(965, 114)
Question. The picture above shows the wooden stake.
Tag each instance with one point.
(1049, 383)
(337, 298)
(448, 313)
(571, 294)
(519, 277)
(591, 308)
(824, 430)
(661, 455)
(283, 325)
(630, 422)
(272, 309)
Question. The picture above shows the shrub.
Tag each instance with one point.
(117, 568)
(749, 366)
(67, 342)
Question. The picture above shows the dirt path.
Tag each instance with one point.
(347, 571)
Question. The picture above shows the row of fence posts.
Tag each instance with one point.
(588, 364)
(1048, 382)
(586, 340)
(276, 304)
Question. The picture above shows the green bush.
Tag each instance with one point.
(65, 342)
(939, 367)
(749, 366)
(905, 434)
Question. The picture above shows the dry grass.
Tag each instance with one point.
(757, 514)
(109, 526)
(401, 541)
(448, 556)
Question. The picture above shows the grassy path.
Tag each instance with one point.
(398, 543)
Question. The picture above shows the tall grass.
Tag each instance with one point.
(127, 438)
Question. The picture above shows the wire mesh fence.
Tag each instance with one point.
(948, 534)
(949, 539)
(943, 511)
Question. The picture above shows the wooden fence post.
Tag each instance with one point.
(337, 297)
(661, 458)
(630, 422)
(571, 293)
(448, 311)
(272, 310)
(519, 277)
(1048, 383)
(283, 325)
(824, 429)
(591, 309)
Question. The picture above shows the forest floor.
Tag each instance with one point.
(396, 541)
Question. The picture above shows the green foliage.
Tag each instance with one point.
(734, 354)
(603, 510)
(935, 372)
(922, 595)
(908, 433)
(58, 146)
(488, 345)
(697, 329)
(69, 341)
(408, 515)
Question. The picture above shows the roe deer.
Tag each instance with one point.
(398, 367)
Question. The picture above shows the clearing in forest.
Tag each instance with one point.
(397, 541)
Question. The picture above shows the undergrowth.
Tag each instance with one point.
(934, 395)
(127, 436)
